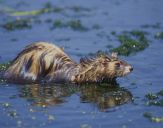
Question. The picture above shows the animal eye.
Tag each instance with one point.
(117, 64)
(107, 59)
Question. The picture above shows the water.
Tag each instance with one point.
(87, 106)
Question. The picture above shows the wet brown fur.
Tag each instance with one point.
(46, 62)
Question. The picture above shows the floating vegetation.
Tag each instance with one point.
(151, 96)
(17, 24)
(96, 26)
(157, 25)
(85, 126)
(159, 35)
(152, 118)
(79, 9)
(76, 25)
(113, 33)
(155, 99)
(13, 113)
(36, 12)
(26, 13)
(109, 46)
(51, 117)
(48, 20)
(4, 66)
(6, 105)
(160, 93)
(48, 7)
(14, 39)
(73, 24)
(131, 43)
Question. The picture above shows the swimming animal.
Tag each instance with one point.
(45, 62)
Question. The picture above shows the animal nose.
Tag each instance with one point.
(131, 69)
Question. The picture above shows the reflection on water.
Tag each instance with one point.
(103, 96)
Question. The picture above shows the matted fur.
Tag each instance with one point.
(43, 61)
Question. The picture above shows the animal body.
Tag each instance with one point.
(45, 62)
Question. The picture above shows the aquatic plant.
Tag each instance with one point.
(76, 25)
(4, 66)
(73, 24)
(157, 25)
(155, 99)
(152, 118)
(48, 7)
(131, 42)
(96, 26)
(151, 96)
(17, 24)
(160, 93)
(79, 9)
(159, 35)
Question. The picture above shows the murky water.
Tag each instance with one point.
(89, 106)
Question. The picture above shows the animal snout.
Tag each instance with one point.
(131, 69)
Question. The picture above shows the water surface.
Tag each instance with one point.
(87, 106)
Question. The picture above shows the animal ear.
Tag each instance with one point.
(62, 48)
(114, 55)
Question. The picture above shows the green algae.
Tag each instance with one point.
(160, 93)
(159, 35)
(96, 26)
(152, 118)
(48, 8)
(156, 26)
(85, 126)
(36, 12)
(155, 99)
(13, 113)
(131, 42)
(156, 103)
(151, 96)
(26, 13)
(79, 9)
(17, 24)
(113, 33)
(6, 105)
(58, 24)
(4, 66)
(75, 25)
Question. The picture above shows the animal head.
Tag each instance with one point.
(108, 67)
(115, 67)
